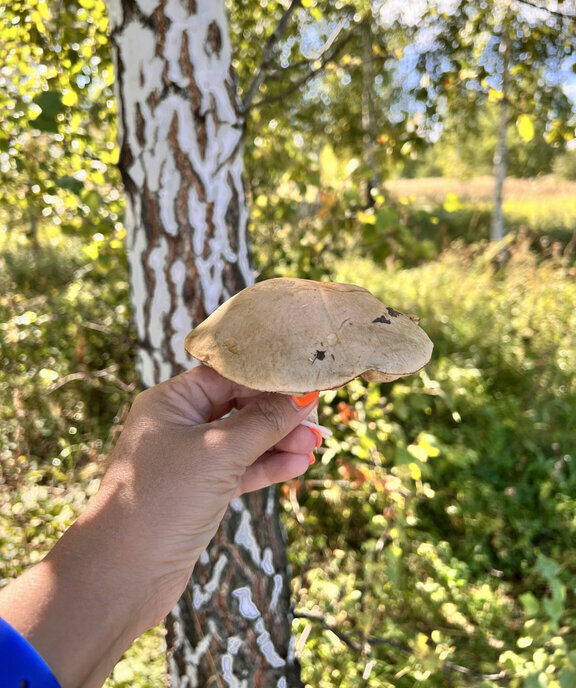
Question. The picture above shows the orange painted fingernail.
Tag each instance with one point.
(317, 436)
(311, 458)
(306, 399)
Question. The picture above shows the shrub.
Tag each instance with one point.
(437, 531)
(565, 165)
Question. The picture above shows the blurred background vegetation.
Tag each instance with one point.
(434, 541)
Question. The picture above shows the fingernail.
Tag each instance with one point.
(305, 399)
(322, 430)
(317, 436)
(311, 458)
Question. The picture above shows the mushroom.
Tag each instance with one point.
(298, 336)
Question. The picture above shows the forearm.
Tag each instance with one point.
(85, 603)
(125, 562)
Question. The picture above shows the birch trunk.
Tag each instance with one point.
(368, 117)
(497, 228)
(181, 130)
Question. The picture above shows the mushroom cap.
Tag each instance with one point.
(296, 336)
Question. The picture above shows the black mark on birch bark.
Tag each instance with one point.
(213, 43)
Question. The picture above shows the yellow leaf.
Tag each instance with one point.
(415, 472)
(421, 644)
(43, 10)
(452, 203)
(525, 126)
(495, 96)
(69, 98)
(329, 167)
(366, 218)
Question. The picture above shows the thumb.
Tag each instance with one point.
(261, 424)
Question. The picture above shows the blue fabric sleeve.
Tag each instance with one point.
(20, 665)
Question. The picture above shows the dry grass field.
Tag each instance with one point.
(543, 206)
(545, 189)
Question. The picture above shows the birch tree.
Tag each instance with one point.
(181, 129)
(511, 53)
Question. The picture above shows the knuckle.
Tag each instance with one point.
(273, 416)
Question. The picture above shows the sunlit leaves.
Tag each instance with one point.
(525, 126)
(447, 491)
(57, 117)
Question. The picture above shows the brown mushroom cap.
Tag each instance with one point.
(297, 336)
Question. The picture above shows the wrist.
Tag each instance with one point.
(84, 604)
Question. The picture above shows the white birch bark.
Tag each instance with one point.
(497, 227)
(182, 165)
(181, 130)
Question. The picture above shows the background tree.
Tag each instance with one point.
(511, 53)
(181, 159)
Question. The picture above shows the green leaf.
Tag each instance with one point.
(536, 681)
(93, 200)
(50, 102)
(70, 183)
(547, 567)
(567, 678)
(530, 604)
(4, 141)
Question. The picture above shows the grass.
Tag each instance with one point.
(442, 518)
(544, 207)
(439, 522)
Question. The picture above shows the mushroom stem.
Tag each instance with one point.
(321, 429)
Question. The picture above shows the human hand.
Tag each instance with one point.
(123, 564)
(179, 462)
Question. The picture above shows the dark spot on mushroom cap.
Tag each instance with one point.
(319, 355)
(382, 319)
(393, 312)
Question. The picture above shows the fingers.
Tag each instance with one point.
(268, 421)
(272, 468)
(196, 396)
(301, 440)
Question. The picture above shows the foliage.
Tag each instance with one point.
(464, 65)
(437, 531)
(446, 209)
(435, 538)
(565, 165)
(465, 151)
(57, 111)
(411, 221)
(389, 83)
(67, 372)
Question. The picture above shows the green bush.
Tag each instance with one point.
(565, 165)
(67, 373)
(433, 542)
(436, 535)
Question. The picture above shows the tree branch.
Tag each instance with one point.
(367, 643)
(93, 378)
(555, 13)
(307, 77)
(268, 53)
